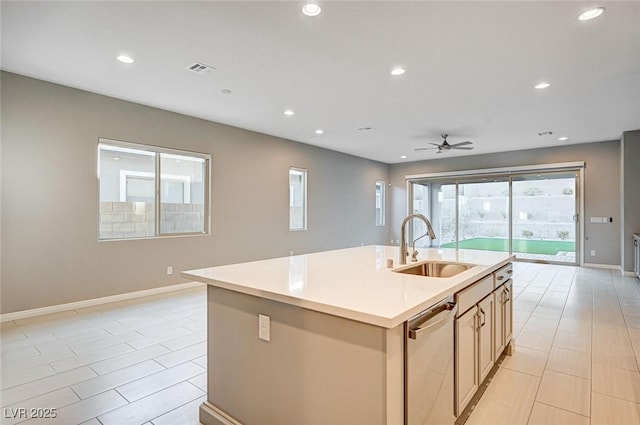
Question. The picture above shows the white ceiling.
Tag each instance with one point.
(471, 67)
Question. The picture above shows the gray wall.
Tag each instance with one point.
(630, 194)
(602, 194)
(50, 252)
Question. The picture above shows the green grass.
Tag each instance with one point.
(528, 246)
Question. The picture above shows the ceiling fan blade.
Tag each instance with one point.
(462, 148)
(422, 149)
(435, 144)
(439, 151)
(462, 143)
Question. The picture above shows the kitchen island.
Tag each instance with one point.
(318, 338)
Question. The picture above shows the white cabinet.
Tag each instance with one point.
(498, 316)
(474, 354)
(466, 358)
(507, 312)
(482, 331)
(503, 321)
(486, 355)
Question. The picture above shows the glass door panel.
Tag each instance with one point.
(437, 202)
(545, 217)
(443, 201)
(483, 215)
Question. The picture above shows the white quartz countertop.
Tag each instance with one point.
(352, 283)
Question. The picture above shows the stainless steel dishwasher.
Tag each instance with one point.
(428, 366)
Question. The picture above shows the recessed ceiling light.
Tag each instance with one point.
(563, 138)
(542, 85)
(591, 13)
(319, 131)
(397, 71)
(289, 112)
(115, 158)
(125, 59)
(403, 156)
(311, 9)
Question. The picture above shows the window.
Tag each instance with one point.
(380, 202)
(297, 199)
(146, 191)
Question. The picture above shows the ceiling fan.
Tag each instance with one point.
(446, 146)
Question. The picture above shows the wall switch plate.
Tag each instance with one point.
(169, 269)
(264, 327)
(593, 252)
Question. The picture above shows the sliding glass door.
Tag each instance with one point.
(545, 217)
(534, 216)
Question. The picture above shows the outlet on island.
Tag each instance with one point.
(169, 270)
(593, 252)
(264, 327)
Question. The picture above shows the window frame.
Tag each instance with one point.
(305, 174)
(158, 151)
(383, 201)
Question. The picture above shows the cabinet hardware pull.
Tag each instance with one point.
(500, 277)
(509, 271)
(484, 319)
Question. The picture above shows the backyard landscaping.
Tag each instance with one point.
(529, 246)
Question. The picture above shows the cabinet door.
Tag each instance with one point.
(485, 336)
(507, 311)
(466, 359)
(498, 329)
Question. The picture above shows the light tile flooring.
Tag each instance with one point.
(143, 361)
(577, 357)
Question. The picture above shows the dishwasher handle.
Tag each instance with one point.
(446, 307)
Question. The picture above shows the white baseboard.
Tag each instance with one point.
(630, 274)
(95, 301)
(602, 266)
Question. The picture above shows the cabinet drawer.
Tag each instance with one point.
(470, 296)
(502, 275)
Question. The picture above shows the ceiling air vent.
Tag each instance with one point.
(200, 68)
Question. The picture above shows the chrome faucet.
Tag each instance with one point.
(403, 241)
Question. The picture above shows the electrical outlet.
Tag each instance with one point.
(593, 252)
(291, 253)
(264, 327)
(169, 270)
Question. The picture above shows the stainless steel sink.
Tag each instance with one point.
(435, 268)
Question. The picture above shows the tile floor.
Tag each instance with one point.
(577, 335)
(143, 361)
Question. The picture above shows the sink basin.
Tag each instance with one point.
(435, 268)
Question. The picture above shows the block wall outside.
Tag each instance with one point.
(119, 220)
